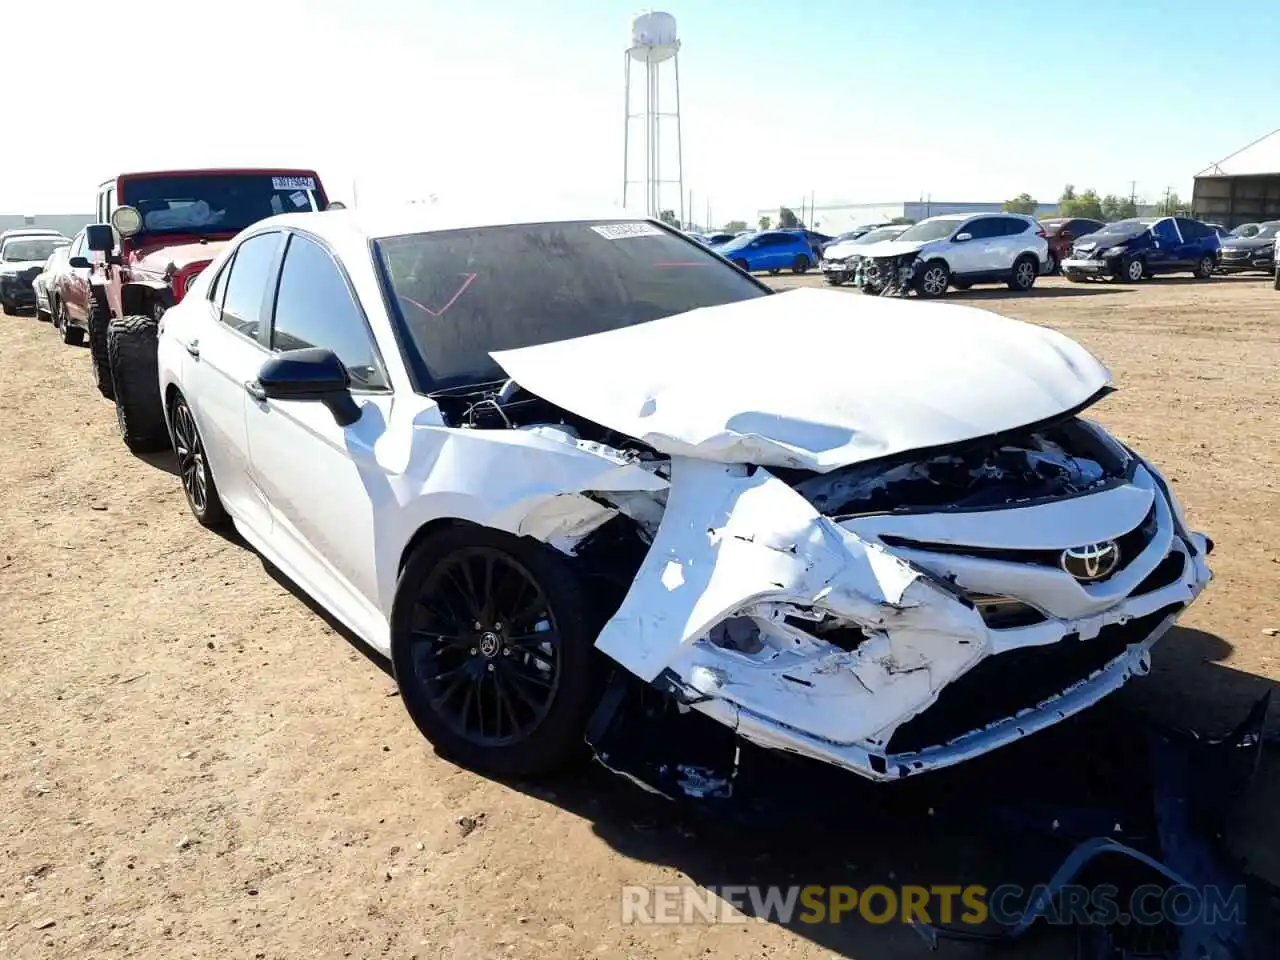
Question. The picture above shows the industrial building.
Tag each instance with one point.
(66, 223)
(834, 218)
(1241, 188)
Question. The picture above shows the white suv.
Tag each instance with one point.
(957, 250)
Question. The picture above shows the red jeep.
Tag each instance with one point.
(155, 233)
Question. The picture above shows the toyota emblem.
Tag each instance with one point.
(1093, 561)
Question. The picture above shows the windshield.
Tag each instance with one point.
(1265, 231)
(30, 248)
(218, 202)
(1245, 230)
(737, 243)
(1124, 227)
(884, 233)
(464, 293)
(929, 230)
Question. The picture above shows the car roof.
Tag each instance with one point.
(32, 232)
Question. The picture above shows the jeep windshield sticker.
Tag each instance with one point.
(625, 231)
(293, 183)
(300, 200)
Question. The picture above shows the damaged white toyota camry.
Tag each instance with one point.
(520, 458)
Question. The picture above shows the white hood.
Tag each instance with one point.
(892, 248)
(816, 379)
(838, 251)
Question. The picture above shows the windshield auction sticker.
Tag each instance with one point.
(625, 231)
(293, 183)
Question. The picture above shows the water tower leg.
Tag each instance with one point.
(626, 124)
(680, 142)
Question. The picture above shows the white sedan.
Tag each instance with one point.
(509, 453)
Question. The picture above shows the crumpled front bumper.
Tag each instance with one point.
(848, 641)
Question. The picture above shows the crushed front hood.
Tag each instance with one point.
(814, 379)
(892, 248)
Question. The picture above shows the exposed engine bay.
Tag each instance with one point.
(889, 276)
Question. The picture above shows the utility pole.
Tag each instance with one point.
(1133, 192)
(1168, 191)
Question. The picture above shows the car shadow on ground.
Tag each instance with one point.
(834, 829)
(164, 461)
(1035, 293)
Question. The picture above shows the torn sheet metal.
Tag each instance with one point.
(879, 378)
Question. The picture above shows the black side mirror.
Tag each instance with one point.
(313, 373)
(79, 263)
(100, 237)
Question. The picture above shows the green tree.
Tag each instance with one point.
(787, 219)
(902, 220)
(734, 226)
(1085, 204)
(1022, 203)
(765, 223)
(1118, 208)
(669, 217)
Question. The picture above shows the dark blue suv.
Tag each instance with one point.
(1142, 247)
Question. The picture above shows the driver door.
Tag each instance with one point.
(323, 483)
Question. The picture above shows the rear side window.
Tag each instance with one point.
(315, 308)
(251, 274)
(1193, 229)
(463, 293)
(1164, 231)
(1012, 226)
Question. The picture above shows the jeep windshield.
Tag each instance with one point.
(30, 248)
(463, 293)
(218, 202)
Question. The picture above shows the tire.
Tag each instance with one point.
(1074, 276)
(98, 320)
(490, 661)
(1275, 284)
(1054, 267)
(135, 381)
(870, 289)
(961, 284)
(7, 306)
(44, 316)
(774, 271)
(1025, 271)
(933, 280)
(193, 467)
(801, 264)
(1135, 270)
(742, 265)
(1204, 269)
(72, 335)
(833, 279)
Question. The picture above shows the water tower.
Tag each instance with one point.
(653, 44)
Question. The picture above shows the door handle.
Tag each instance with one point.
(254, 389)
(193, 348)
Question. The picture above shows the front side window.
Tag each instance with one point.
(464, 293)
(251, 272)
(315, 308)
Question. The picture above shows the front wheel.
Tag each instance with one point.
(934, 279)
(1204, 269)
(98, 320)
(801, 264)
(491, 646)
(135, 381)
(1052, 266)
(1025, 271)
(193, 467)
(834, 279)
(1135, 270)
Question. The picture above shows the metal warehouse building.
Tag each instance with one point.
(1242, 188)
(67, 223)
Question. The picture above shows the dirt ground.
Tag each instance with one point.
(195, 763)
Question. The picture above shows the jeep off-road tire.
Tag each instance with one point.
(98, 320)
(131, 347)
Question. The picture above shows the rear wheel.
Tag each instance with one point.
(934, 279)
(491, 644)
(1025, 271)
(801, 264)
(98, 320)
(135, 381)
(72, 335)
(193, 467)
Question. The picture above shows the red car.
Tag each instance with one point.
(155, 233)
(1061, 232)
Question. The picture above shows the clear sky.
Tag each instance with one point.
(860, 100)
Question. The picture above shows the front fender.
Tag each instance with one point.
(137, 297)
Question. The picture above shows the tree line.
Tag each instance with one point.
(1088, 204)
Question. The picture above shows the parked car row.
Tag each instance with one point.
(536, 509)
(23, 255)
